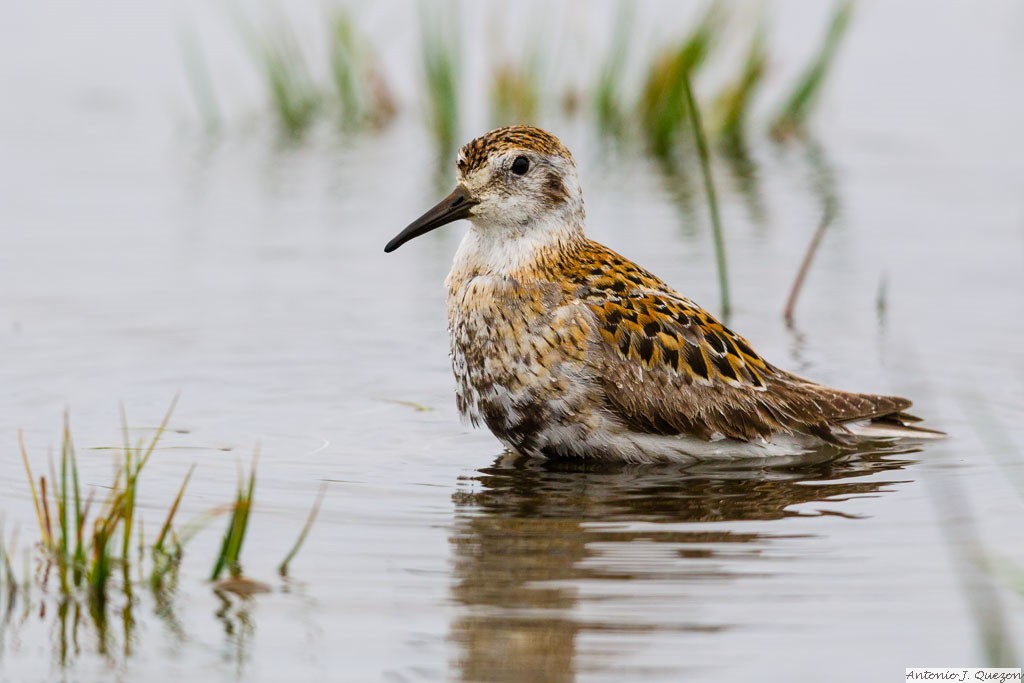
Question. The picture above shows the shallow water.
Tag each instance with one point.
(138, 260)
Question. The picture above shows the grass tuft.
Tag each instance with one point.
(98, 552)
(86, 560)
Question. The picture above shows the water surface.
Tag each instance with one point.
(138, 259)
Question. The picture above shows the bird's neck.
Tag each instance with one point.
(518, 251)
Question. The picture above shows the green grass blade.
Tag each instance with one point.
(712, 197)
(314, 511)
(733, 104)
(607, 94)
(200, 82)
(344, 69)
(236, 550)
(293, 93)
(102, 562)
(514, 94)
(363, 94)
(80, 542)
(127, 511)
(159, 545)
(797, 109)
(134, 462)
(663, 106)
(222, 556)
(440, 55)
(234, 536)
(6, 570)
(78, 557)
(159, 433)
(126, 438)
(63, 511)
(48, 528)
(43, 528)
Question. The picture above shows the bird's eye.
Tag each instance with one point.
(520, 165)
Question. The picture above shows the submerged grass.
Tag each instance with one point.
(86, 559)
(282, 569)
(828, 216)
(733, 104)
(168, 549)
(824, 186)
(980, 569)
(608, 96)
(515, 92)
(516, 78)
(8, 579)
(976, 571)
(200, 82)
(295, 98)
(96, 552)
(664, 107)
(796, 110)
(441, 56)
(358, 97)
(363, 96)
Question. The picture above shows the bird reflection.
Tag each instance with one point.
(533, 539)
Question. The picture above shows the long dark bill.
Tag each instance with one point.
(451, 208)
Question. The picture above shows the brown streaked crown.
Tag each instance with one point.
(474, 153)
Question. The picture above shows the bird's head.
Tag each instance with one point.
(515, 182)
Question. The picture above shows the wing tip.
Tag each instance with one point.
(895, 429)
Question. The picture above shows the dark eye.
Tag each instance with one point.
(521, 165)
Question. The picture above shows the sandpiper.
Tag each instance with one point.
(565, 349)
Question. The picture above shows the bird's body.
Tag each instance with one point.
(565, 349)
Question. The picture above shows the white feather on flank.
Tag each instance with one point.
(637, 448)
(634, 447)
(605, 436)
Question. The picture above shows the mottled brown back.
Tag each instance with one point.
(668, 367)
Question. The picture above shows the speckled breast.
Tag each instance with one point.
(518, 357)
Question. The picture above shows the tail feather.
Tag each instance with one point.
(897, 425)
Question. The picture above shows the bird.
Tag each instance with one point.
(565, 349)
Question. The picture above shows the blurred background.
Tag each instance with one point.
(194, 199)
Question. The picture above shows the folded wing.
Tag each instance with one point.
(668, 367)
